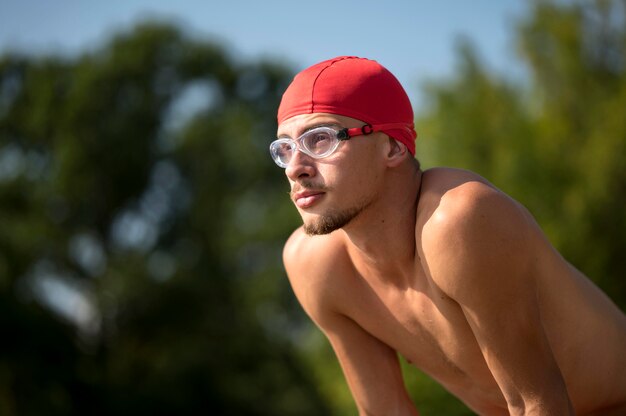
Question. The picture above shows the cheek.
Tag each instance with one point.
(358, 172)
(359, 180)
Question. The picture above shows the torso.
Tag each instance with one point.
(586, 331)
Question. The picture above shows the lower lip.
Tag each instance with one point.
(308, 201)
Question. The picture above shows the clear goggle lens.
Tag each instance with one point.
(317, 143)
(321, 142)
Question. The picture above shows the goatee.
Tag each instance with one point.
(331, 221)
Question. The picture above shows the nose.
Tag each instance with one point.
(300, 166)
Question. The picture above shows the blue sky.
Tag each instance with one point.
(415, 39)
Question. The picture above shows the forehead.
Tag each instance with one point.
(296, 125)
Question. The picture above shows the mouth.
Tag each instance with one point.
(307, 199)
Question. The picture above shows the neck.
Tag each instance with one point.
(382, 238)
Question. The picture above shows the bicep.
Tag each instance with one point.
(516, 348)
(371, 367)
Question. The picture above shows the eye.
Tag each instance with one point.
(319, 142)
(320, 138)
(282, 148)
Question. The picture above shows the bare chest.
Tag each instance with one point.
(428, 329)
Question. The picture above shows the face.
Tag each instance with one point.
(332, 192)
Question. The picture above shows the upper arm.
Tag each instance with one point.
(479, 248)
(370, 366)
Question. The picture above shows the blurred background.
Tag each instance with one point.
(142, 220)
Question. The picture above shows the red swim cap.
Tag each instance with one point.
(353, 87)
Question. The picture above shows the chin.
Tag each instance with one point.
(331, 221)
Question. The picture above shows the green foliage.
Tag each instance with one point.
(141, 234)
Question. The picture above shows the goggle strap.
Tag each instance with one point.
(369, 129)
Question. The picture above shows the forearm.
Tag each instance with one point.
(385, 402)
(409, 410)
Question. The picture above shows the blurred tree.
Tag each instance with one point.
(140, 234)
(141, 219)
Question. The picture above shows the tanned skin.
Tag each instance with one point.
(447, 271)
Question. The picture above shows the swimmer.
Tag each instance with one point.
(437, 266)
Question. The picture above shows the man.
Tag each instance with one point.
(438, 266)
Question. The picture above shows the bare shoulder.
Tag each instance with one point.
(318, 268)
(474, 232)
(310, 256)
(462, 199)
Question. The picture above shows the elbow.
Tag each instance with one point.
(556, 405)
(539, 400)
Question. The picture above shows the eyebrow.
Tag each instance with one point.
(315, 126)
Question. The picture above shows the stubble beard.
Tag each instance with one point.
(331, 221)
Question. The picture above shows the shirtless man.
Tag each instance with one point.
(438, 266)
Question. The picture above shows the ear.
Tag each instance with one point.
(396, 153)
